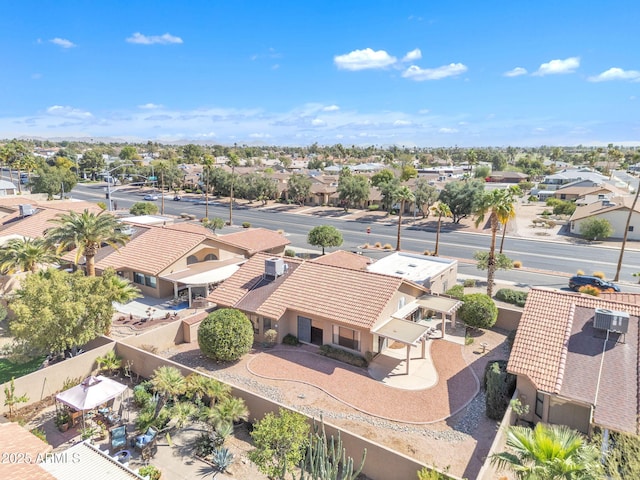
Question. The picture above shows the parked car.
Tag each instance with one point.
(151, 196)
(582, 280)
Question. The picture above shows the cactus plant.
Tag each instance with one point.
(326, 459)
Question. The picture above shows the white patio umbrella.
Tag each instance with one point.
(90, 393)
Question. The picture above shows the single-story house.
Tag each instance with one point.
(507, 177)
(319, 303)
(615, 211)
(576, 359)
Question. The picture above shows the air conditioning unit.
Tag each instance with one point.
(26, 210)
(274, 267)
(611, 320)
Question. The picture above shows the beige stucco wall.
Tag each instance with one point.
(445, 280)
(508, 317)
(571, 414)
(163, 337)
(527, 395)
(618, 220)
(48, 381)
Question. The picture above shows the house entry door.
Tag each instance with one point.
(304, 329)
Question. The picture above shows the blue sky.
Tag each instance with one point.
(424, 73)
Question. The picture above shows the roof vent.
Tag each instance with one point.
(26, 210)
(274, 267)
(610, 320)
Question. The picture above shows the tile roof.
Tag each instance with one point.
(255, 240)
(597, 208)
(35, 225)
(341, 258)
(18, 441)
(557, 348)
(151, 251)
(353, 297)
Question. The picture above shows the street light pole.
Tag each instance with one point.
(109, 203)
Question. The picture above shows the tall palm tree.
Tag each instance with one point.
(510, 215)
(233, 163)
(118, 289)
(86, 232)
(441, 210)
(549, 452)
(402, 195)
(207, 164)
(25, 254)
(497, 204)
(169, 383)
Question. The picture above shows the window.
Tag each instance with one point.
(191, 259)
(210, 257)
(539, 403)
(346, 337)
(147, 280)
(631, 228)
(266, 324)
(401, 302)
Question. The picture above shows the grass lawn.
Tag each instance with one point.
(9, 369)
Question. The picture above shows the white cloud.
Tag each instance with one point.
(516, 72)
(149, 106)
(259, 135)
(68, 112)
(415, 54)
(556, 67)
(616, 74)
(401, 123)
(423, 111)
(421, 74)
(165, 39)
(448, 130)
(364, 59)
(316, 122)
(62, 42)
(331, 108)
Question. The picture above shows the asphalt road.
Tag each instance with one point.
(552, 261)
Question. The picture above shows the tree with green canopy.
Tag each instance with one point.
(299, 188)
(53, 180)
(143, 208)
(352, 190)
(225, 335)
(462, 197)
(55, 311)
(324, 236)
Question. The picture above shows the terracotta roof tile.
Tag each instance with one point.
(16, 440)
(558, 349)
(350, 296)
(255, 240)
(341, 258)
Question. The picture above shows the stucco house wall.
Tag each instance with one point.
(617, 219)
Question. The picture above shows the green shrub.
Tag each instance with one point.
(469, 283)
(373, 208)
(290, 339)
(153, 473)
(457, 291)
(143, 208)
(225, 335)
(343, 356)
(289, 252)
(40, 433)
(515, 297)
(499, 386)
(478, 311)
(141, 398)
(246, 225)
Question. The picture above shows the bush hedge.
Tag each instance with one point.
(499, 386)
(225, 335)
(290, 339)
(457, 291)
(515, 297)
(478, 311)
(343, 356)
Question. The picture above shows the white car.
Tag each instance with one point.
(151, 196)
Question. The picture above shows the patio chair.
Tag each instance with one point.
(118, 438)
(146, 443)
(114, 418)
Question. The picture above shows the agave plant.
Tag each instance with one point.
(222, 459)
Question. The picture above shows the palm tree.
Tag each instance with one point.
(233, 163)
(510, 215)
(86, 232)
(201, 386)
(207, 164)
(441, 210)
(229, 410)
(118, 289)
(168, 382)
(25, 254)
(498, 204)
(549, 452)
(403, 195)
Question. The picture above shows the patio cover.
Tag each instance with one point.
(440, 304)
(403, 331)
(93, 391)
(192, 276)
